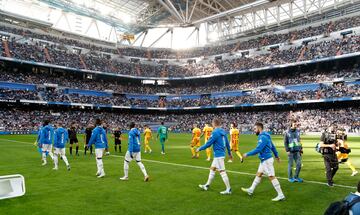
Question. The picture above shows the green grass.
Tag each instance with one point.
(172, 189)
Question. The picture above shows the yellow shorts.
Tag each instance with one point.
(234, 145)
(195, 142)
(342, 156)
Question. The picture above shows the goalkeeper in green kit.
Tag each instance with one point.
(163, 134)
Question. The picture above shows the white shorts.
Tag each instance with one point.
(136, 156)
(99, 153)
(59, 151)
(46, 147)
(267, 167)
(218, 163)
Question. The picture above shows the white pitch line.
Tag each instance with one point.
(235, 172)
(206, 168)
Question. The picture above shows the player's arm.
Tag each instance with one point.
(208, 143)
(274, 151)
(67, 136)
(92, 138)
(227, 144)
(261, 145)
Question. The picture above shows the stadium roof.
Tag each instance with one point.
(134, 16)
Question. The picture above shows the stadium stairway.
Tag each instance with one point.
(82, 61)
(47, 55)
(6, 48)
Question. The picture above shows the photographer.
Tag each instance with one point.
(328, 144)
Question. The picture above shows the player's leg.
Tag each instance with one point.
(236, 149)
(221, 167)
(91, 150)
(290, 167)
(120, 146)
(162, 142)
(56, 159)
(99, 162)
(71, 146)
(46, 149)
(115, 145)
(352, 167)
(127, 160)
(269, 170)
(64, 158)
(210, 178)
(193, 150)
(77, 147)
(197, 146)
(298, 161)
(137, 157)
(208, 154)
(256, 181)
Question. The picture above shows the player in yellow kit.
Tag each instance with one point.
(207, 130)
(195, 141)
(147, 137)
(344, 150)
(234, 141)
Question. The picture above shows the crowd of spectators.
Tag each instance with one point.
(280, 79)
(8, 94)
(276, 121)
(57, 54)
(325, 91)
(269, 39)
(33, 52)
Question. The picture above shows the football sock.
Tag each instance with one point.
(91, 149)
(238, 154)
(193, 151)
(162, 147)
(71, 150)
(77, 149)
(126, 169)
(255, 183)
(56, 160)
(119, 148)
(100, 165)
(211, 177)
(225, 179)
(208, 153)
(115, 148)
(277, 186)
(351, 166)
(65, 160)
(142, 167)
(44, 157)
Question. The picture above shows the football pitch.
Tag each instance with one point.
(174, 180)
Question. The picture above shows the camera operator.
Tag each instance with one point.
(328, 144)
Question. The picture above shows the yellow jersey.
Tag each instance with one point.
(197, 133)
(207, 132)
(234, 135)
(147, 133)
